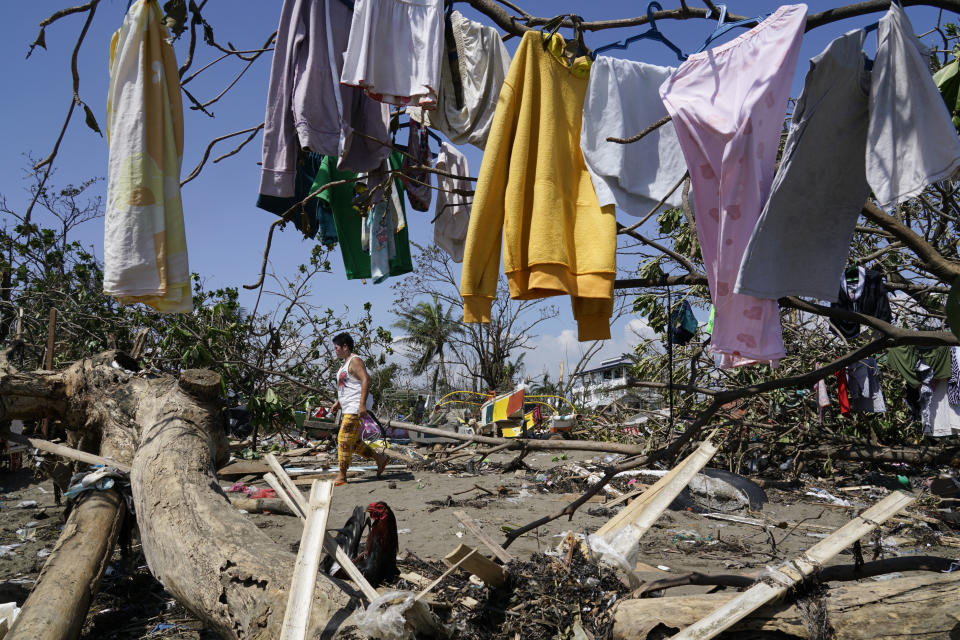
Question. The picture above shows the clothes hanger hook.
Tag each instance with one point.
(651, 8)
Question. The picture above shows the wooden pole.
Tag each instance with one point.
(65, 452)
(662, 492)
(297, 616)
(283, 485)
(789, 575)
(48, 362)
(58, 604)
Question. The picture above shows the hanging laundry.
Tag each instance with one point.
(381, 247)
(310, 218)
(534, 194)
(727, 105)
(144, 240)
(842, 398)
(863, 387)
(943, 418)
(394, 51)
(953, 382)
(453, 209)
(306, 105)
(623, 99)
(472, 71)
(895, 121)
(867, 295)
(350, 223)
(683, 324)
(803, 236)
(905, 360)
(920, 367)
(823, 399)
(911, 142)
(417, 181)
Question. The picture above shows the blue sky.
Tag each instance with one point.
(225, 231)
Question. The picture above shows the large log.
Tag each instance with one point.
(898, 609)
(207, 554)
(57, 606)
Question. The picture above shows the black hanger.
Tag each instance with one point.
(554, 24)
(429, 130)
(653, 33)
(723, 27)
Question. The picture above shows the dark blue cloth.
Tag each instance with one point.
(312, 218)
(683, 324)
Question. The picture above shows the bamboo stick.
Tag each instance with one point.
(297, 615)
(789, 575)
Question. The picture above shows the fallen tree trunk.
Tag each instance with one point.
(208, 555)
(526, 443)
(57, 606)
(897, 609)
(910, 455)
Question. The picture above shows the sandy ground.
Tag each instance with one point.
(424, 501)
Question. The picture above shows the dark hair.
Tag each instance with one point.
(342, 339)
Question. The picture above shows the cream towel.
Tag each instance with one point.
(145, 245)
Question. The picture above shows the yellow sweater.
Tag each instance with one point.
(534, 185)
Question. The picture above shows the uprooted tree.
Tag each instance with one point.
(167, 427)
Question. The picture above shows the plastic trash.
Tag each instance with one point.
(9, 612)
(27, 504)
(384, 617)
(619, 551)
(829, 497)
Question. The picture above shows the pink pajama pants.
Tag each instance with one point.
(728, 106)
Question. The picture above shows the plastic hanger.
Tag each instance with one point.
(725, 27)
(554, 25)
(653, 33)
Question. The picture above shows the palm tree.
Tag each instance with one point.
(429, 330)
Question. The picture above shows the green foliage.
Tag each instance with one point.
(276, 361)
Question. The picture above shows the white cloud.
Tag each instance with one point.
(638, 329)
(549, 350)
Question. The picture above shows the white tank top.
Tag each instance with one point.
(348, 389)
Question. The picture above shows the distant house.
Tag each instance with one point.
(597, 387)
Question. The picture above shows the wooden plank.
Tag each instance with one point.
(652, 510)
(48, 362)
(443, 575)
(633, 494)
(307, 480)
(789, 575)
(243, 467)
(757, 522)
(482, 536)
(287, 483)
(283, 495)
(330, 546)
(297, 615)
(64, 451)
(482, 567)
(631, 512)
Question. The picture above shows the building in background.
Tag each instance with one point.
(598, 387)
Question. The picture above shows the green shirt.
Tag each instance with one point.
(339, 201)
(903, 359)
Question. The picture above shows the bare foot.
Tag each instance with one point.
(339, 482)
